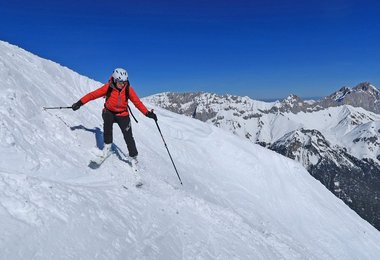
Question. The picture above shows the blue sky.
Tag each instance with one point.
(262, 49)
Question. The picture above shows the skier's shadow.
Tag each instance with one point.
(100, 141)
(96, 131)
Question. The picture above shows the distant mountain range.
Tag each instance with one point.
(336, 138)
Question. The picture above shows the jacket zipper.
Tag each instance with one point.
(118, 99)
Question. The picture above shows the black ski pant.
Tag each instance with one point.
(124, 123)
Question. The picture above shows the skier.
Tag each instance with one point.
(117, 91)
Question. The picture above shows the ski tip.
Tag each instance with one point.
(93, 165)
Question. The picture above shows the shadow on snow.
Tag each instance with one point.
(100, 141)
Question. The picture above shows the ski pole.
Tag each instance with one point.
(175, 168)
(56, 107)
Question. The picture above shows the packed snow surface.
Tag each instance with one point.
(238, 200)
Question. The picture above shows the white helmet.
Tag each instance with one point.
(119, 75)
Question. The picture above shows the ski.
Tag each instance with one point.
(137, 185)
(96, 162)
(135, 171)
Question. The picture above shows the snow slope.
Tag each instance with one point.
(238, 201)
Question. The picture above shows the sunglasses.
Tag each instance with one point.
(121, 82)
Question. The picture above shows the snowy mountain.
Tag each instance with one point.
(354, 181)
(354, 130)
(263, 122)
(364, 95)
(239, 200)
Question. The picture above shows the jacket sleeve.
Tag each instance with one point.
(100, 92)
(136, 101)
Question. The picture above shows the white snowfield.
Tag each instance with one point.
(238, 200)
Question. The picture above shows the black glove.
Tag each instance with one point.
(152, 115)
(77, 105)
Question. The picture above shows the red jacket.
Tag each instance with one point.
(116, 101)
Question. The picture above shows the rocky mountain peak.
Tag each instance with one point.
(367, 88)
(292, 103)
(292, 99)
(363, 95)
(299, 139)
(339, 95)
